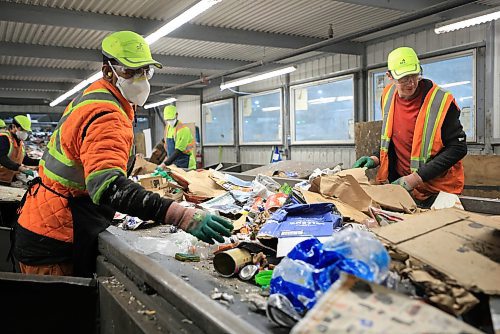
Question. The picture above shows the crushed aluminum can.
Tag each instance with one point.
(248, 272)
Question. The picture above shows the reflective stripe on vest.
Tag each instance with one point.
(56, 164)
(433, 109)
(385, 138)
(11, 143)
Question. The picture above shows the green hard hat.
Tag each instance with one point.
(129, 49)
(403, 61)
(2, 123)
(24, 122)
(169, 112)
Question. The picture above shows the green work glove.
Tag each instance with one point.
(201, 224)
(28, 172)
(365, 161)
(409, 182)
(208, 227)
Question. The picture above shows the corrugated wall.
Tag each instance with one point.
(214, 154)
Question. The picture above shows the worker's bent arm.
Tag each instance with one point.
(455, 146)
(5, 161)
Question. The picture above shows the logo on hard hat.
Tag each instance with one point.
(402, 62)
(139, 47)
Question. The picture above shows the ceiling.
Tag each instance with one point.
(48, 46)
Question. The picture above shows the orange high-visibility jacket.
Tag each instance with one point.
(16, 154)
(427, 142)
(88, 150)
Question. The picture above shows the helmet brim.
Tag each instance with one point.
(406, 70)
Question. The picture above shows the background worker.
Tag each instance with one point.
(13, 158)
(180, 144)
(422, 140)
(83, 172)
(2, 125)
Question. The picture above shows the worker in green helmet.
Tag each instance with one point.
(423, 141)
(13, 158)
(2, 124)
(180, 144)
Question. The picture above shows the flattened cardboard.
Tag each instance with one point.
(142, 166)
(345, 188)
(345, 209)
(461, 244)
(199, 182)
(391, 197)
(355, 306)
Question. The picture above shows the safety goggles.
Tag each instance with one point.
(414, 79)
(129, 73)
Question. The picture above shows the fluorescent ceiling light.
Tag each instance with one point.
(468, 22)
(462, 99)
(271, 108)
(167, 101)
(263, 76)
(183, 18)
(77, 88)
(453, 84)
(323, 100)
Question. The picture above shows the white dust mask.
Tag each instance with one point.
(135, 90)
(22, 135)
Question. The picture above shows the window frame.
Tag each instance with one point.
(316, 83)
(425, 60)
(240, 118)
(203, 122)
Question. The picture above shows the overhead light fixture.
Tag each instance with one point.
(465, 23)
(259, 77)
(454, 84)
(81, 85)
(156, 104)
(271, 109)
(166, 29)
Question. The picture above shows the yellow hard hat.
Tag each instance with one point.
(403, 61)
(2, 123)
(169, 112)
(129, 49)
(24, 122)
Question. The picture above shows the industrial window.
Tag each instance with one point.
(260, 118)
(323, 112)
(218, 123)
(455, 73)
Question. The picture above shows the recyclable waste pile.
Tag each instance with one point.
(295, 241)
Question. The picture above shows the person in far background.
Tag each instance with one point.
(13, 158)
(180, 144)
(2, 125)
(423, 141)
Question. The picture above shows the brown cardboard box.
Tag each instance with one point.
(352, 305)
(461, 244)
(152, 182)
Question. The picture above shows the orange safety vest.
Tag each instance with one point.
(89, 148)
(427, 142)
(16, 154)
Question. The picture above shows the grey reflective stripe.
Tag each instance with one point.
(415, 165)
(94, 184)
(431, 121)
(73, 174)
(94, 96)
(384, 142)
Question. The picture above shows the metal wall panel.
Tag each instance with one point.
(215, 154)
(188, 108)
(425, 41)
(496, 85)
(333, 154)
(255, 154)
(322, 67)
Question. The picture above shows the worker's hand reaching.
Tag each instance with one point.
(365, 161)
(409, 182)
(26, 171)
(201, 224)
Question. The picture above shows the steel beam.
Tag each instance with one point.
(400, 5)
(15, 12)
(18, 84)
(19, 94)
(67, 53)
